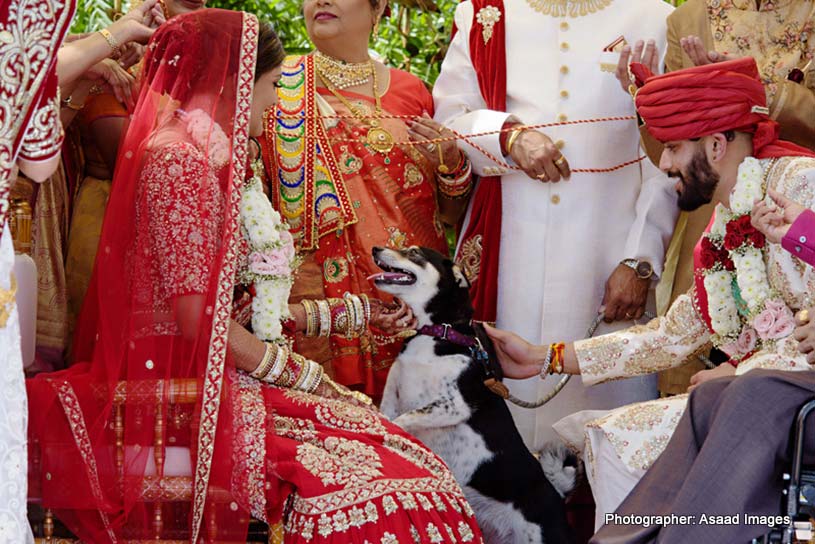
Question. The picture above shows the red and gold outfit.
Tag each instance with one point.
(31, 31)
(342, 198)
(160, 308)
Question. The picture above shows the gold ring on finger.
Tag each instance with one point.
(561, 161)
(431, 147)
(802, 317)
(543, 177)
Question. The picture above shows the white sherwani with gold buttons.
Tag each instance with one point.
(560, 242)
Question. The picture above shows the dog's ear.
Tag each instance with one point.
(461, 279)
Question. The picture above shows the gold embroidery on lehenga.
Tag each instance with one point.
(340, 461)
(249, 451)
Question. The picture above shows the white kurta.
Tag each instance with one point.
(14, 527)
(560, 242)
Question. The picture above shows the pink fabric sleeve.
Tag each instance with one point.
(800, 239)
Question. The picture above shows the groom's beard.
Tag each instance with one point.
(697, 184)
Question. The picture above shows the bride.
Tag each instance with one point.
(271, 436)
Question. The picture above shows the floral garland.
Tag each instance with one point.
(745, 312)
(271, 259)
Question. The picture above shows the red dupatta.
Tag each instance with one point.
(483, 232)
(159, 303)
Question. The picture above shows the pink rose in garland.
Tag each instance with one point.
(270, 262)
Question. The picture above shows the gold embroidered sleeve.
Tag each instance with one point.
(663, 343)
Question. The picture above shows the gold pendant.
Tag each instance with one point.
(380, 140)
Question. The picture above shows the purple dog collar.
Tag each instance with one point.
(448, 333)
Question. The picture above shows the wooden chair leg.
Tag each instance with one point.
(48, 526)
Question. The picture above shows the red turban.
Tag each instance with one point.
(703, 100)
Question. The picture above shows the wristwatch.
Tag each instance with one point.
(643, 269)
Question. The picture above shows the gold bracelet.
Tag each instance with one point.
(262, 370)
(114, 45)
(512, 137)
(312, 318)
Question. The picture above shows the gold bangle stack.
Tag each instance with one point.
(324, 312)
(312, 317)
(310, 376)
(114, 45)
(457, 186)
(511, 139)
(266, 363)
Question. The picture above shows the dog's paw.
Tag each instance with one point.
(561, 467)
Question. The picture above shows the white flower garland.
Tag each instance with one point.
(766, 317)
(272, 259)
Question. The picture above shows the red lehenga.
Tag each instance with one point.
(342, 198)
(159, 308)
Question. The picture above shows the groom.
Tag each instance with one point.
(712, 120)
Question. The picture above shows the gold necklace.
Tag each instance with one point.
(343, 74)
(570, 8)
(379, 139)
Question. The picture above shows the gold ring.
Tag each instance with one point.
(560, 161)
(543, 177)
(431, 147)
(628, 315)
(802, 317)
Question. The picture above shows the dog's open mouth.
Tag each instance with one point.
(392, 275)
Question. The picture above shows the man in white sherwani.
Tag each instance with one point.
(566, 248)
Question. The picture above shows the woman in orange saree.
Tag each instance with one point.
(342, 180)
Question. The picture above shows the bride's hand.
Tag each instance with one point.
(330, 389)
(391, 319)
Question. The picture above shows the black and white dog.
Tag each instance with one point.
(436, 391)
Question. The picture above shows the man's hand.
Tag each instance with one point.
(695, 49)
(644, 53)
(721, 371)
(775, 222)
(805, 333)
(519, 359)
(625, 295)
(539, 157)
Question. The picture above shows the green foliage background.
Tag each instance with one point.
(411, 39)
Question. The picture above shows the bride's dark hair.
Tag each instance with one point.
(270, 50)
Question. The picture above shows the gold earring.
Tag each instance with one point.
(375, 32)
